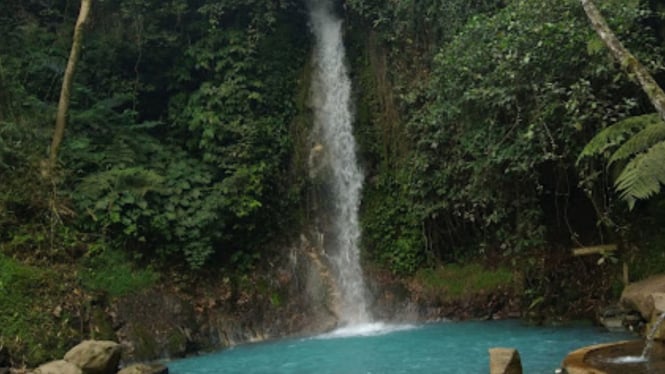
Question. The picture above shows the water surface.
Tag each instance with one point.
(454, 347)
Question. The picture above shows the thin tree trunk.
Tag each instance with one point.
(63, 104)
(625, 58)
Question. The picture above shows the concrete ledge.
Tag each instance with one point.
(575, 362)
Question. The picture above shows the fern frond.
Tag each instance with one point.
(103, 113)
(121, 154)
(139, 143)
(135, 180)
(138, 180)
(616, 134)
(145, 125)
(114, 101)
(642, 177)
(96, 185)
(640, 142)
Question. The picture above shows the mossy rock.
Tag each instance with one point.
(176, 342)
(102, 327)
(145, 345)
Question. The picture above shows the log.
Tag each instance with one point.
(596, 249)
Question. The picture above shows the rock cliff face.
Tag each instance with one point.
(286, 295)
(399, 299)
(292, 298)
(177, 319)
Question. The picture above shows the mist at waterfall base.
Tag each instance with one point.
(450, 347)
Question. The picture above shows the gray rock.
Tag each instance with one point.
(58, 367)
(613, 318)
(145, 369)
(95, 357)
(156, 324)
(638, 296)
(505, 361)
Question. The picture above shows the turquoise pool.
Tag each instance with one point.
(452, 347)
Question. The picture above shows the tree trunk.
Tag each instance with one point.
(625, 58)
(63, 104)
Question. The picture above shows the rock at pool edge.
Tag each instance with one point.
(505, 361)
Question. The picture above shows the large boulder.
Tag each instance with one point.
(505, 361)
(145, 369)
(95, 357)
(58, 367)
(638, 296)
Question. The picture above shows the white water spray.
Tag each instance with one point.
(331, 91)
(648, 346)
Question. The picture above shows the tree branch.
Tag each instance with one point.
(63, 103)
(625, 58)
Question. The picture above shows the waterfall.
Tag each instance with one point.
(331, 92)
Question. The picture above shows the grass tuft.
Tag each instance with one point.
(455, 282)
(111, 272)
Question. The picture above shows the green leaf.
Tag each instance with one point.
(616, 134)
(642, 177)
(640, 142)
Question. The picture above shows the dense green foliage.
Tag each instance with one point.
(181, 136)
(178, 150)
(178, 146)
(188, 134)
(496, 120)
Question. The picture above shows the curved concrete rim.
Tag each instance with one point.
(575, 362)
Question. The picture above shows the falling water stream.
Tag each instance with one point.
(331, 91)
(625, 357)
(645, 357)
(650, 337)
